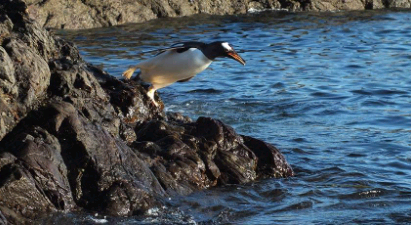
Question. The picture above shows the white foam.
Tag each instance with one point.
(153, 211)
(95, 220)
(254, 10)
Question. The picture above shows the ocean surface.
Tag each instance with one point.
(331, 90)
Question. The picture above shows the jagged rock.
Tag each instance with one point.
(205, 153)
(68, 14)
(398, 3)
(34, 178)
(333, 5)
(270, 160)
(72, 137)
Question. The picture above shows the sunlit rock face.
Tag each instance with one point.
(64, 14)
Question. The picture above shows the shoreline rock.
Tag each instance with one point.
(72, 137)
(67, 14)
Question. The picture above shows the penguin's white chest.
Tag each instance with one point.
(171, 66)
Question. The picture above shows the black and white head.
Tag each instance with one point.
(221, 49)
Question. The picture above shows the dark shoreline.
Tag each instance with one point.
(73, 138)
(94, 13)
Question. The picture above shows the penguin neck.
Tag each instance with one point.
(209, 52)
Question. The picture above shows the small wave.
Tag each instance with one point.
(380, 92)
(206, 91)
(165, 215)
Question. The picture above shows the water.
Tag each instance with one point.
(331, 90)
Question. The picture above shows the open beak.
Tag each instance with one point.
(236, 57)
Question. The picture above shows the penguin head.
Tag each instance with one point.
(221, 49)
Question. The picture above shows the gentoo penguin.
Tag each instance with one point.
(179, 63)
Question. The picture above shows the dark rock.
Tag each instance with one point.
(205, 153)
(72, 137)
(38, 173)
(21, 200)
(270, 160)
(130, 101)
(178, 117)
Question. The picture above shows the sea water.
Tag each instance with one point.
(331, 90)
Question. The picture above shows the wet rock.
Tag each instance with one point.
(130, 101)
(72, 137)
(178, 117)
(192, 156)
(34, 180)
(270, 160)
(21, 201)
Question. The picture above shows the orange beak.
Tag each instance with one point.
(236, 57)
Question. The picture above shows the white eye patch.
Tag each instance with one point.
(226, 46)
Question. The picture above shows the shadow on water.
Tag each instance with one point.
(331, 90)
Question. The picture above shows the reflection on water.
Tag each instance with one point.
(332, 90)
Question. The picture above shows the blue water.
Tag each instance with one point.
(331, 90)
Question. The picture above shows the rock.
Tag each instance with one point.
(24, 73)
(270, 160)
(398, 3)
(68, 14)
(72, 137)
(205, 153)
(333, 5)
(34, 180)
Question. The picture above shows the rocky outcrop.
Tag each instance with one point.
(76, 14)
(73, 137)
